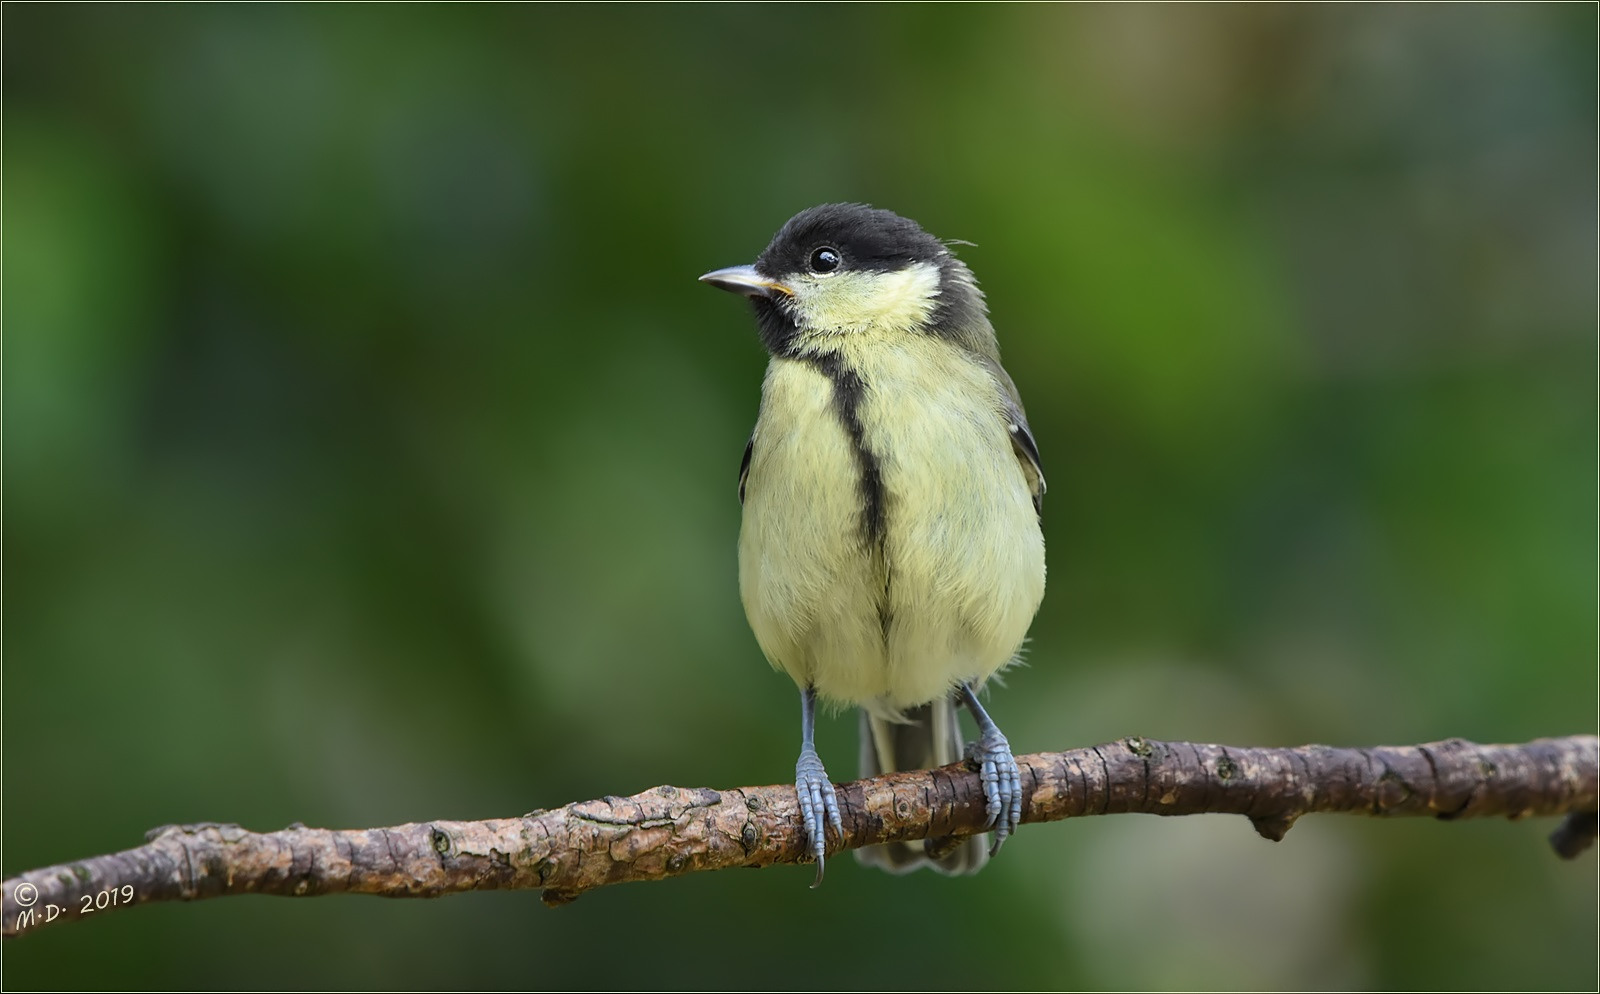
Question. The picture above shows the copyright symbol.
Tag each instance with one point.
(25, 894)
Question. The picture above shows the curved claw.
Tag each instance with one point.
(819, 806)
(1002, 786)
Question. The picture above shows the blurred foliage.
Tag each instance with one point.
(370, 454)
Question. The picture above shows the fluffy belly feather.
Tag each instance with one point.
(946, 590)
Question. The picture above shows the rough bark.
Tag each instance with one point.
(667, 831)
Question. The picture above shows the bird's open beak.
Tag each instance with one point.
(745, 280)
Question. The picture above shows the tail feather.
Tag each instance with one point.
(930, 736)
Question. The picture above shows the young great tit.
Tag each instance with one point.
(890, 556)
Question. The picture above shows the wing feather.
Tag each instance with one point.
(1022, 441)
(744, 466)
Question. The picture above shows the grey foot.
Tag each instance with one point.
(817, 800)
(1002, 784)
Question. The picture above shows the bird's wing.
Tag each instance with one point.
(1022, 442)
(744, 466)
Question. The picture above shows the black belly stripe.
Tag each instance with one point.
(848, 392)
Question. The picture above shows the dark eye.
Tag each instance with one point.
(825, 260)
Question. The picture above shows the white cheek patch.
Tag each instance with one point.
(897, 301)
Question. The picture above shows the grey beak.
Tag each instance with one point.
(746, 281)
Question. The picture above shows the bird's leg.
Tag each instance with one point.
(817, 799)
(997, 768)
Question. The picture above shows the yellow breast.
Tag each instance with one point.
(946, 590)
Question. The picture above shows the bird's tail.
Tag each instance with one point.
(930, 736)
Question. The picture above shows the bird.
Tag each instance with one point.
(890, 552)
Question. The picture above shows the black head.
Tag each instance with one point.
(840, 269)
(842, 237)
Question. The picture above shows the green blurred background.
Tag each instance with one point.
(370, 455)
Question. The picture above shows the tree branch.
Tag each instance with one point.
(668, 831)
